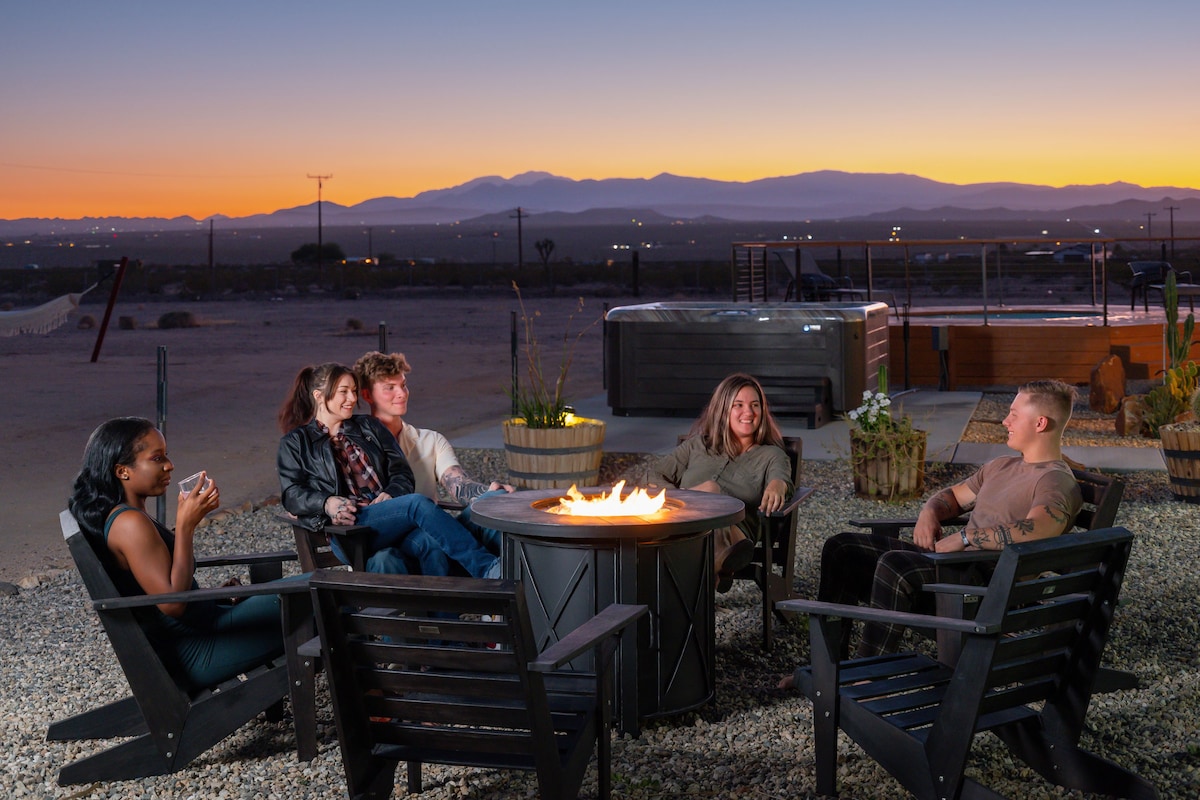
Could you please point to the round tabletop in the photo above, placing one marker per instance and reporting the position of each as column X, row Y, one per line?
column 685, row 511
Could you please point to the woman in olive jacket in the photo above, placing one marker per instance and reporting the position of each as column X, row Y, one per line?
column 342, row 469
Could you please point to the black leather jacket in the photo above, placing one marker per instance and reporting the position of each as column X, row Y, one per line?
column 308, row 474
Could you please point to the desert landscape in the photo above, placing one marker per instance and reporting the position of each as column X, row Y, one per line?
column 227, row 377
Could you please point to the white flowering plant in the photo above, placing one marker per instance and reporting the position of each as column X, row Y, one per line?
column 874, row 416
column 876, row 436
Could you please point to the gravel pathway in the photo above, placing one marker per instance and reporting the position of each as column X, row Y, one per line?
column 752, row 741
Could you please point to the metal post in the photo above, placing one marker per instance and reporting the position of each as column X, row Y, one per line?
column 983, row 270
column 112, row 300
column 513, row 347
column 160, row 502
column 870, row 273
column 383, row 348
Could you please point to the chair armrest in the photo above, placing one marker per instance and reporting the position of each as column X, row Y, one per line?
column 612, row 620
column 290, row 586
column 799, row 496
column 964, row 557
column 869, row 614
column 451, row 505
column 885, row 525
column 891, row 526
column 353, row 538
column 965, row 590
column 246, row 558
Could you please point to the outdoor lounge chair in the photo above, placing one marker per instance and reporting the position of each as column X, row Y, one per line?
column 171, row 725
column 1026, row 674
column 1101, row 499
column 463, row 687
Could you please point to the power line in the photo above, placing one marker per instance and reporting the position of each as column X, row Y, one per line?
column 520, row 239
column 1171, row 210
column 320, row 179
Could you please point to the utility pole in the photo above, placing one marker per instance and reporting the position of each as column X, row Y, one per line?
column 520, row 240
column 1171, row 210
column 320, row 179
column 1150, row 215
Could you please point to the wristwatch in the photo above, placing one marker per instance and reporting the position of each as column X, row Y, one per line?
column 966, row 541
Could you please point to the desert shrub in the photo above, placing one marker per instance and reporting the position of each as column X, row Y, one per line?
column 353, row 324
column 86, row 322
column 127, row 323
column 177, row 319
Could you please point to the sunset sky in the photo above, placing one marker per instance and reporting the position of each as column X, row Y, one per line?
column 169, row 108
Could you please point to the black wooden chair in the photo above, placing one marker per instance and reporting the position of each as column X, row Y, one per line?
column 171, row 725
column 467, row 687
column 1026, row 673
column 773, row 566
column 1101, row 499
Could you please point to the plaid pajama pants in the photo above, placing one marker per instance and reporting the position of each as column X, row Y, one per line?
column 881, row 571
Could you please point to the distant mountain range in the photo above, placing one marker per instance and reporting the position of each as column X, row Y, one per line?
column 825, row 195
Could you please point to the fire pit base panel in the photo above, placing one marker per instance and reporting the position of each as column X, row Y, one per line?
column 565, row 585
column 572, row 567
column 666, row 358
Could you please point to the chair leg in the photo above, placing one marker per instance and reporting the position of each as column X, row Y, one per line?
column 299, row 627
column 414, row 777
column 1067, row 765
column 825, row 637
column 136, row 758
column 120, row 718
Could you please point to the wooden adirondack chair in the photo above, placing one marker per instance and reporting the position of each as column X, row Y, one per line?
column 1101, row 499
column 464, row 687
column 773, row 566
column 1026, row 673
column 171, row 725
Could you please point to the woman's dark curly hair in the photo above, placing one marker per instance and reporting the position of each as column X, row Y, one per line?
column 97, row 489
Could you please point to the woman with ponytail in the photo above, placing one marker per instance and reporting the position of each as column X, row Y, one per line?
column 342, row 469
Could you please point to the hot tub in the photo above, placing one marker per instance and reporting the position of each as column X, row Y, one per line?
column 666, row 358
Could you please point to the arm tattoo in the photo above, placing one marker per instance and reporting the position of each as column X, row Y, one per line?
column 460, row 487
column 944, row 505
column 1002, row 535
column 1059, row 516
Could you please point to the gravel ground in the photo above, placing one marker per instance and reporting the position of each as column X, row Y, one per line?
column 1087, row 427
column 752, row 741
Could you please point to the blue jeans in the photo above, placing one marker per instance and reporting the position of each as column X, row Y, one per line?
column 214, row 641
column 393, row 521
column 491, row 539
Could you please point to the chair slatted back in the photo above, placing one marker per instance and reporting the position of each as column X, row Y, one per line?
column 1048, row 607
column 1101, row 498
column 137, row 657
column 425, row 671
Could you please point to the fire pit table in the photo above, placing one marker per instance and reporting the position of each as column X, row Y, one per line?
column 574, row 566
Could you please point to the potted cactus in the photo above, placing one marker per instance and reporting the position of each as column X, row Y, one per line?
column 1173, row 409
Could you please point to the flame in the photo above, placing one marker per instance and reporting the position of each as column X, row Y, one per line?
column 637, row 503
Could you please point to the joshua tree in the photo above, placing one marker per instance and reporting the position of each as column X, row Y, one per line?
column 545, row 248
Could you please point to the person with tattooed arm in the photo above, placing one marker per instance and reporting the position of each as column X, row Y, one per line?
column 383, row 385
column 1009, row 500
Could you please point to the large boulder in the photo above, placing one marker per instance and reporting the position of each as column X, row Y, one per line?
column 1108, row 385
column 1131, row 416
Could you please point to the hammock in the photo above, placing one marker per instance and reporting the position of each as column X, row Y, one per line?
column 43, row 318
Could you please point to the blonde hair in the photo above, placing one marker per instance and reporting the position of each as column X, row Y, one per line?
column 1053, row 398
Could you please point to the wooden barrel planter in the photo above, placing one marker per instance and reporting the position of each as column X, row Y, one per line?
column 554, row 458
column 893, row 471
column 1181, row 451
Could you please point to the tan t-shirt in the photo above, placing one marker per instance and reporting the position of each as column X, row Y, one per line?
column 1006, row 488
